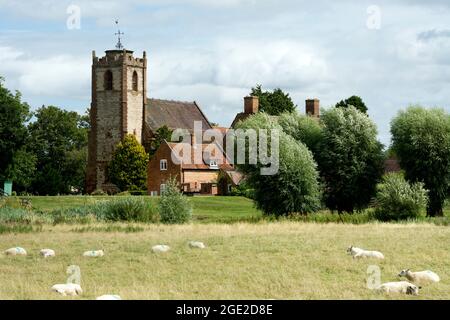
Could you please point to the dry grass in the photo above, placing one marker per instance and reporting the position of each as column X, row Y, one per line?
column 284, row 260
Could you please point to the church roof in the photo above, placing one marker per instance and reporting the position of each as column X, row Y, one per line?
column 174, row 114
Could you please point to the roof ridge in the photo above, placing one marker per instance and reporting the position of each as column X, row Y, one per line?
column 170, row 100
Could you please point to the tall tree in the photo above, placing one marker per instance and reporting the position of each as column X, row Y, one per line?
column 354, row 101
column 128, row 167
column 350, row 159
column 59, row 141
column 302, row 128
column 421, row 140
column 294, row 187
column 273, row 102
column 13, row 131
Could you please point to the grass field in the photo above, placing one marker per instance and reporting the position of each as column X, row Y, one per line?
column 283, row 260
column 206, row 209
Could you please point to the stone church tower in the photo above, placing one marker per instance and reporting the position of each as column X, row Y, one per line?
column 119, row 98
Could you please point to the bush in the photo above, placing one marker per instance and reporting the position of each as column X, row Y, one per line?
column 11, row 215
column 396, row 199
column 130, row 209
column 173, row 206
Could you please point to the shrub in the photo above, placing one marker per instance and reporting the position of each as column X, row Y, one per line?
column 173, row 206
column 130, row 209
column 396, row 199
column 124, row 209
column 18, row 215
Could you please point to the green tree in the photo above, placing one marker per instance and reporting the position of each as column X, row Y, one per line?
column 350, row 159
column 22, row 169
column 161, row 134
column 421, row 140
column 354, row 101
column 294, row 188
column 13, row 131
column 128, row 167
column 55, row 138
column 302, row 128
column 273, row 102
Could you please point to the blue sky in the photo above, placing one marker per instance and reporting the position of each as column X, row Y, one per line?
column 391, row 53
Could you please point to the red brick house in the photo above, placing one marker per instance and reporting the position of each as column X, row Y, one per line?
column 193, row 178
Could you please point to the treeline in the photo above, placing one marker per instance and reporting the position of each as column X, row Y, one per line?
column 43, row 152
column 337, row 162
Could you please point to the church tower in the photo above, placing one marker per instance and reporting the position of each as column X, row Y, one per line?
column 119, row 97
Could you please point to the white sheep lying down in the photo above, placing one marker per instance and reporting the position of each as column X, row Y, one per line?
column 47, row 253
column 68, row 289
column 109, row 297
column 160, row 248
column 361, row 253
column 197, row 244
column 420, row 277
column 17, row 251
column 399, row 287
column 94, row 253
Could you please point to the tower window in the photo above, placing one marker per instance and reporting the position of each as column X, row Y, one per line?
column 108, row 80
column 135, row 81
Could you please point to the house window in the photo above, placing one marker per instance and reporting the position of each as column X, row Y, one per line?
column 153, row 193
column 162, row 188
column 213, row 164
column 230, row 188
column 108, row 80
column 135, row 81
column 163, row 164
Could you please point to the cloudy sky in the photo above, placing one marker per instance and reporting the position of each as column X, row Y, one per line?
column 391, row 53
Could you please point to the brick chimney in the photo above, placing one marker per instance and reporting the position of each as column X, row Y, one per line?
column 312, row 108
column 251, row 104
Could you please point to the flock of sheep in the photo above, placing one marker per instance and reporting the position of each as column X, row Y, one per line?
column 418, row 279
column 73, row 289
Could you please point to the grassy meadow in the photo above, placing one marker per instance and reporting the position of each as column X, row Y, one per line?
column 206, row 209
column 284, row 260
column 246, row 257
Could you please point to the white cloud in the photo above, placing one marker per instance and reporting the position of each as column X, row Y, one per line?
column 59, row 75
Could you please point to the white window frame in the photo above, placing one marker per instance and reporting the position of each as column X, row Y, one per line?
column 163, row 165
column 162, row 188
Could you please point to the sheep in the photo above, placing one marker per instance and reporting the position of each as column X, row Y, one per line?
column 68, row 289
column 399, row 287
column 47, row 253
column 420, row 277
column 109, row 297
column 160, row 248
column 361, row 253
column 197, row 244
column 17, row 251
column 94, row 253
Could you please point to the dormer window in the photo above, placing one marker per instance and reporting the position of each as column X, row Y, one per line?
column 213, row 164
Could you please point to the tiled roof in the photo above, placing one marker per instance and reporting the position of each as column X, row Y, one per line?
column 174, row 114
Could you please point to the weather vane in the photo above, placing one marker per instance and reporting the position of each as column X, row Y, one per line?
column 118, row 34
